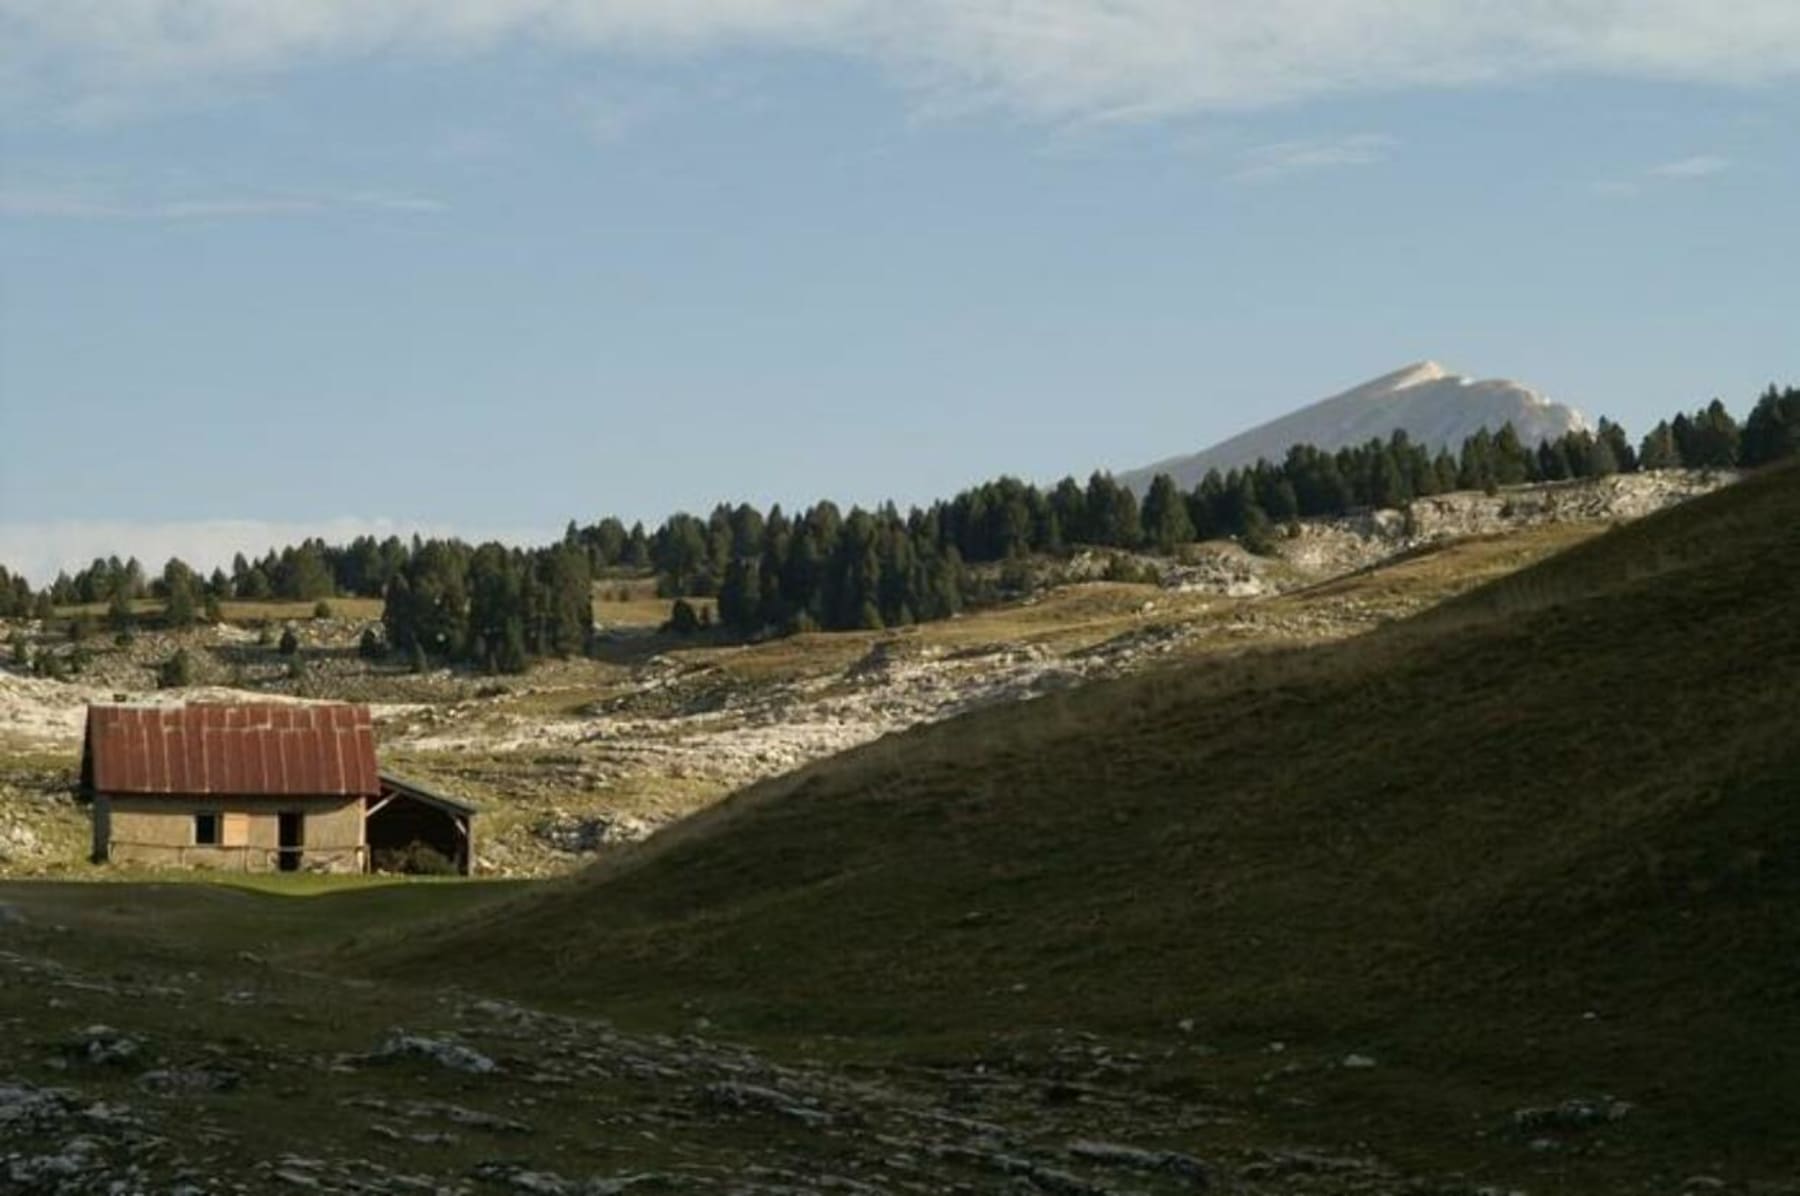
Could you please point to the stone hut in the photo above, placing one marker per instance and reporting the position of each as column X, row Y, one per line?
column 260, row 787
column 251, row 788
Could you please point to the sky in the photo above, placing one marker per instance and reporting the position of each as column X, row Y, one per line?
column 484, row 266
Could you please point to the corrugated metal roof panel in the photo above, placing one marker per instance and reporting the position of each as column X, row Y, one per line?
column 252, row 749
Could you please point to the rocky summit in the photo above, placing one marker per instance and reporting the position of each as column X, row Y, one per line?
column 1432, row 405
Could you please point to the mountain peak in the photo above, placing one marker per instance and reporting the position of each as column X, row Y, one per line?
column 1435, row 407
column 1416, row 374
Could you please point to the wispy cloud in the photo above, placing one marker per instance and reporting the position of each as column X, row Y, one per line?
column 1057, row 59
column 1697, row 167
column 229, row 209
column 70, row 202
column 59, row 202
column 1616, row 188
column 1267, row 163
column 611, row 116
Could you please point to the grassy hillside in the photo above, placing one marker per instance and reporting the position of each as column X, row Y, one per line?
column 1542, row 843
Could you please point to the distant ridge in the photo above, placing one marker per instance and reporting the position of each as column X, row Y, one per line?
column 1434, row 406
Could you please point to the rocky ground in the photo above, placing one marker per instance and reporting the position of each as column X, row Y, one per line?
column 189, row 1073
column 581, row 755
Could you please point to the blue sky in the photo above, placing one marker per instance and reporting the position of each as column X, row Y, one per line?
column 482, row 267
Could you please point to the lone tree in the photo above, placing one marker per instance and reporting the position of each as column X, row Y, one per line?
column 179, row 587
column 683, row 619
column 180, row 609
column 118, row 610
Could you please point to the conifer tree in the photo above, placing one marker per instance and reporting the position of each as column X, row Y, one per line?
column 1714, row 439
column 1165, row 516
column 1659, row 450
column 512, row 655
column 1613, row 436
column 1772, row 431
column 683, row 620
column 118, row 610
column 1512, row 465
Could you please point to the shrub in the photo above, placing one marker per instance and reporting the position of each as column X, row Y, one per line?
column 321, row 609
column 1131, row 570
column 370, row 646
column 1257, row 537
column 1018, row 576
column 290, row 643
column 176, row 671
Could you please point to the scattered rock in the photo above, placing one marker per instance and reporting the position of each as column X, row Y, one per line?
column 1167, row 1162
column 1576, row 1113
column 179, row 1082
column 731, row 1094
column 102, row 1046
column 441, row 1051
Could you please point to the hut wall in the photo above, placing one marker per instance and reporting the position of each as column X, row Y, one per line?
column 158, row 831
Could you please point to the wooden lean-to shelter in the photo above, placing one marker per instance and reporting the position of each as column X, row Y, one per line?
column 257, row 787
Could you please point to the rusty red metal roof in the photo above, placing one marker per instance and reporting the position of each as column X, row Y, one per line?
column 252, row 750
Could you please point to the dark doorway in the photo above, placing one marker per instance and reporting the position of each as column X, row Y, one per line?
column 291, row 839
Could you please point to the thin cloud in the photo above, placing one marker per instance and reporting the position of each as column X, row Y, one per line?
column 1266, row 163
column 77, row 203
column 411, row 204
column 55, row 202
column 229, row 209
column 609, row 117
column 1055, row 59
column 1697, row 167
column 1616, row 188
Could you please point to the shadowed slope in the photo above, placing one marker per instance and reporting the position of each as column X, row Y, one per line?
column 1559, row 849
